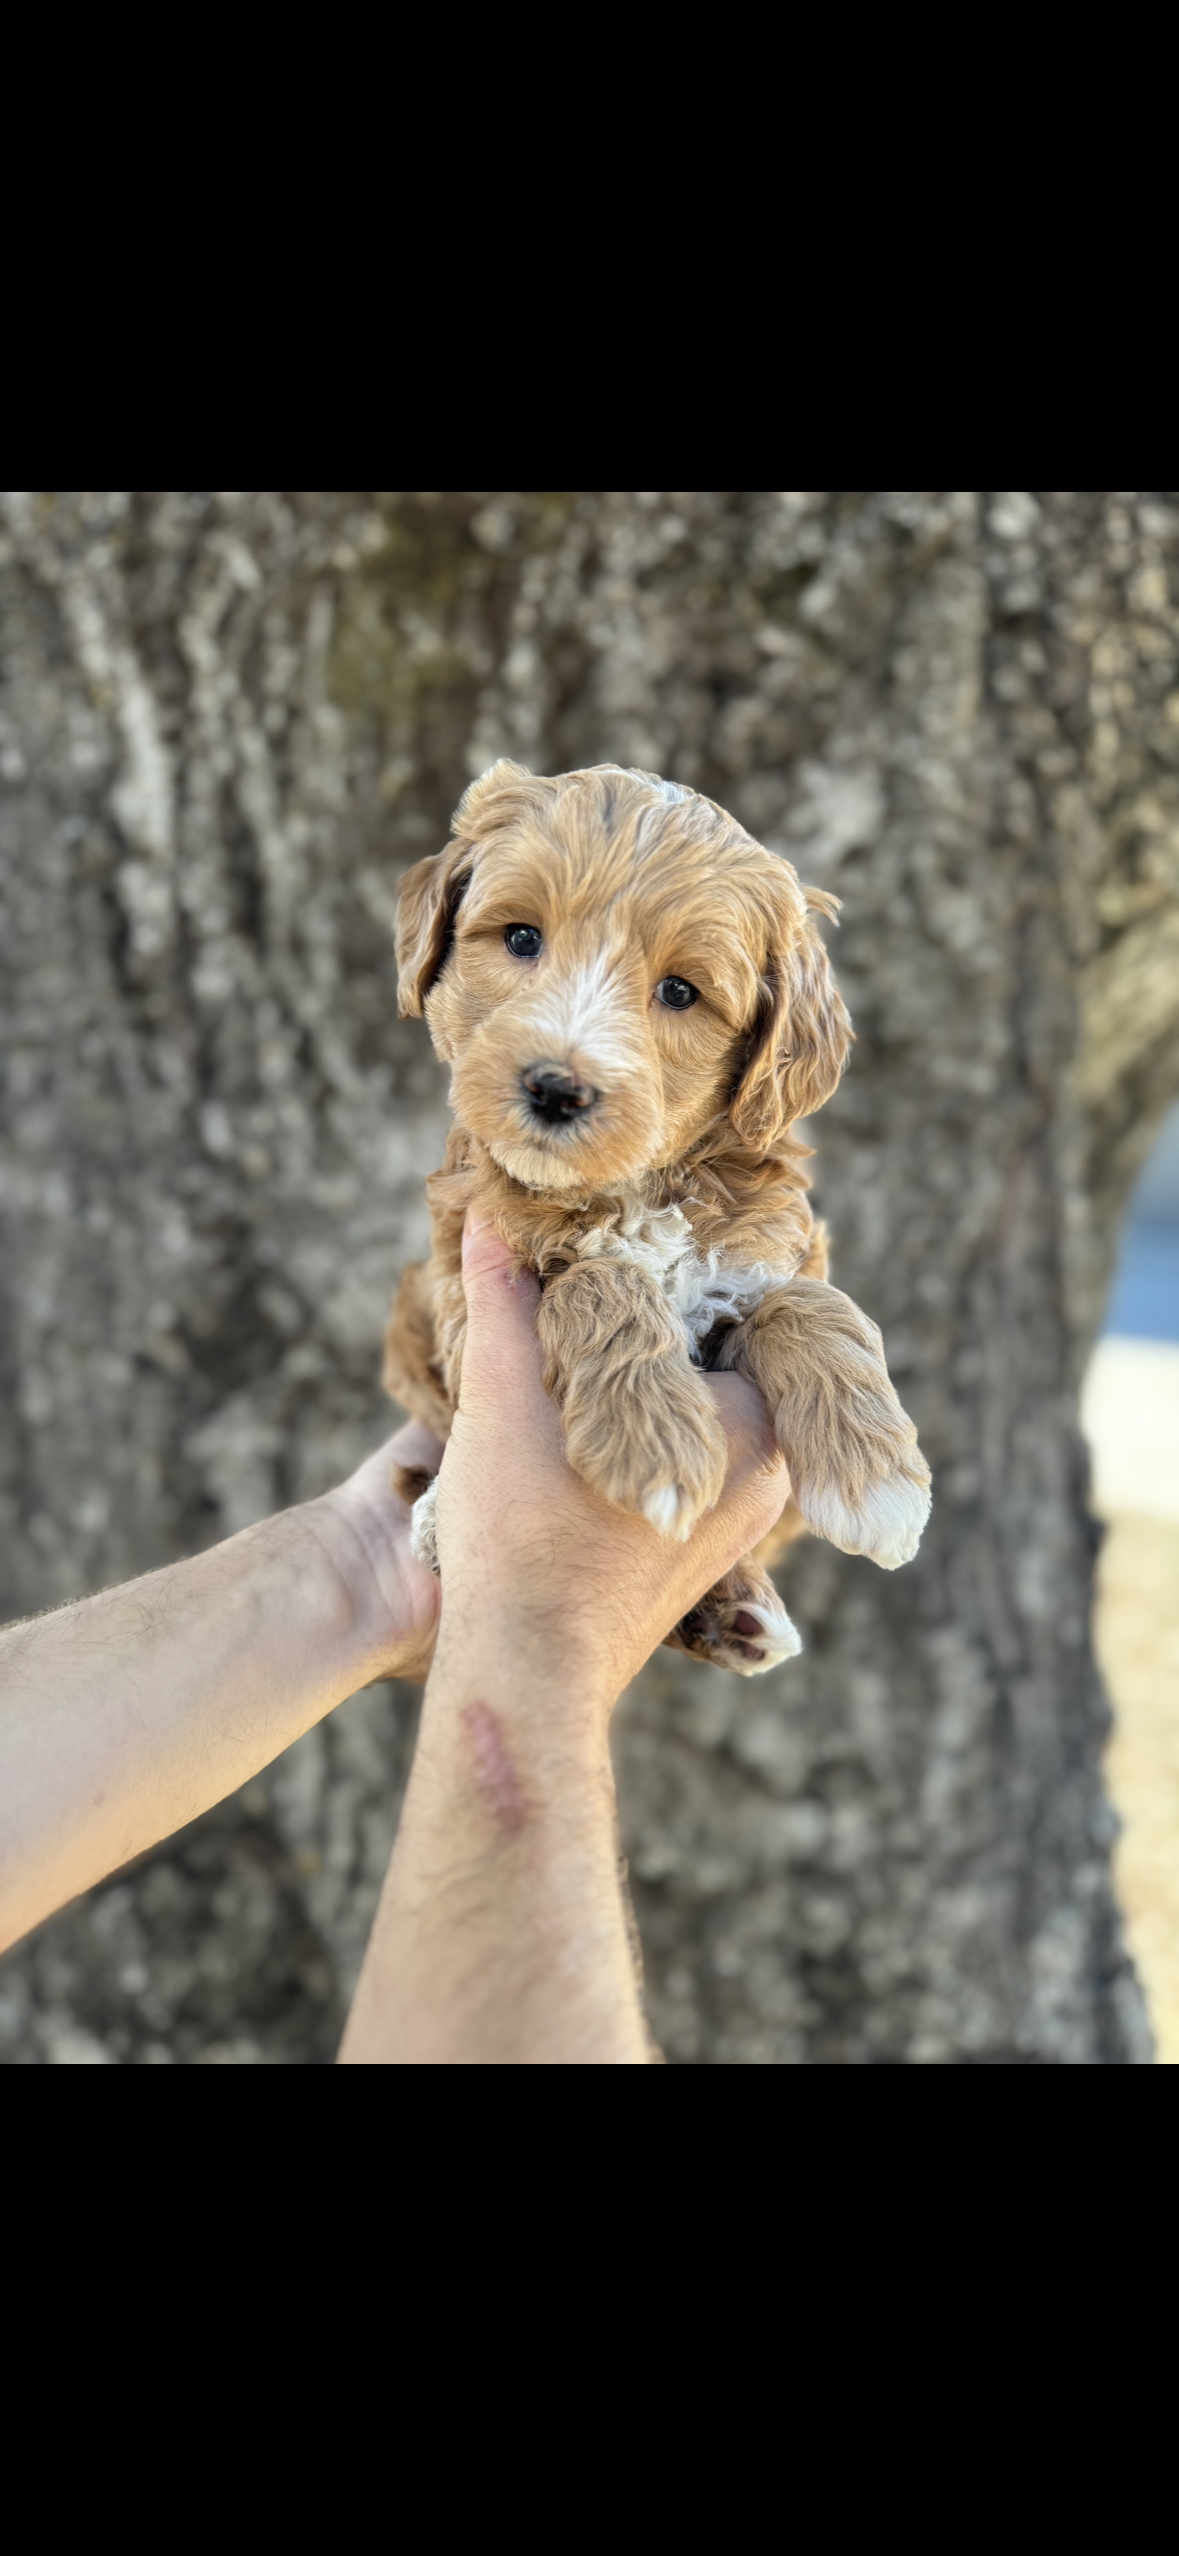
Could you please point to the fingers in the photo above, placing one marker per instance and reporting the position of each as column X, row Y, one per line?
column 373, row 1480
column 414, row 1445
column 502, row 1372
column 488, row 1262
column 746, row 1423
column 501, row 1356
column 757, row 1485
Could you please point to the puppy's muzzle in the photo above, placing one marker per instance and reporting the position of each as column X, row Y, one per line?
column 553, row 1094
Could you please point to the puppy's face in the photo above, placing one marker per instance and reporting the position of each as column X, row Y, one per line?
column 600, row 963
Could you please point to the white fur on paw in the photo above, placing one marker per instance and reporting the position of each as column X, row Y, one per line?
column 669, row 1512
column 776, row 1639
column 423, row 1537
column 887, row 1528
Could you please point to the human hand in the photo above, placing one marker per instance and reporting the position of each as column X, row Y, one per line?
column 536, row 1569
column 128, row 1714
column 365, row 1523
column 501, row 1934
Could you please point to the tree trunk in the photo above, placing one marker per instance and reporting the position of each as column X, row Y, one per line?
column 227, row 723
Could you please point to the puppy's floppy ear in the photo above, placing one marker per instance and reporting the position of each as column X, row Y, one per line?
column 431, row 894
column 799, row 1045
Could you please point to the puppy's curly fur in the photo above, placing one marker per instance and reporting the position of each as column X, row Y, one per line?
column 636, row 1006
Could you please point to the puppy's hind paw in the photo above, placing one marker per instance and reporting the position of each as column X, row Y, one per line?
column 739, row 1627
column 751, row 1638
column 423, row 1540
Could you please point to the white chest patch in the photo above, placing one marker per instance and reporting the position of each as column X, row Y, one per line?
column 703, row 1288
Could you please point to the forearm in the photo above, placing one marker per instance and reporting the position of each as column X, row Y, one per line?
column 127, row 1715
column 502, row 1936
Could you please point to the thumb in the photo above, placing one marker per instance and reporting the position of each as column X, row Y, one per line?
column 500, row 1352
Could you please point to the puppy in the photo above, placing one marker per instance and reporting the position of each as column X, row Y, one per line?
column 636, row 1006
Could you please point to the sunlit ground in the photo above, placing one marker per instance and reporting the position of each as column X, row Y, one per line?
column 1131, row 1411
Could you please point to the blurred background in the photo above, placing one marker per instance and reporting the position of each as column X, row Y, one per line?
column 228, row 722
column 1131, row 1416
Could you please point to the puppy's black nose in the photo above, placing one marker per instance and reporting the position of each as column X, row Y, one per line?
column 553, row 1093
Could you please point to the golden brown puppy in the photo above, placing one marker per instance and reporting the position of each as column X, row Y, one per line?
column 636, row 1006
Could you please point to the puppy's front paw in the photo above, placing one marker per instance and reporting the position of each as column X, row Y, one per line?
column 657, row 1449
column 741, row 1624
column 882, row 1519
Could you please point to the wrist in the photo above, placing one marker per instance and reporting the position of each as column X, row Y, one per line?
column 536, row 1673
column 330, row 1547
column 386, row 1604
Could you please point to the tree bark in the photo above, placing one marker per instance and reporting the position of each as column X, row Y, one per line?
column 227, row 723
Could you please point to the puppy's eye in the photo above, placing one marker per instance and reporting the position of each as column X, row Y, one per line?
column 676, row 993
column 523, row 940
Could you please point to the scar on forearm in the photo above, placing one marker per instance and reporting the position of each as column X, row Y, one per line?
column 492, row 1767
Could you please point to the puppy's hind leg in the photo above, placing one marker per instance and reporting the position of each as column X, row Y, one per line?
column 740, row 1623
column 423, row 1538
column 413, row 1372
column 415, row 1375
